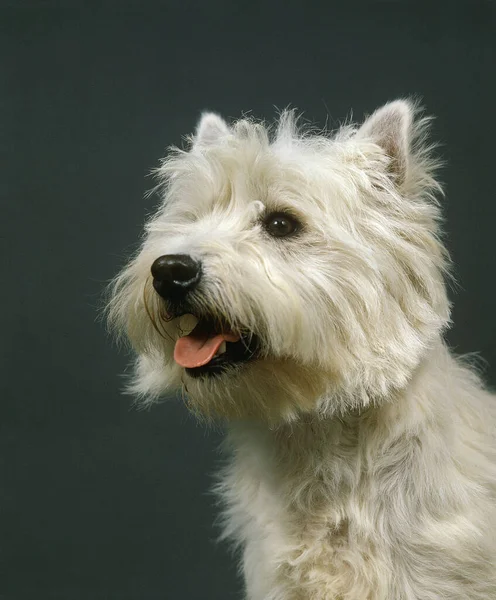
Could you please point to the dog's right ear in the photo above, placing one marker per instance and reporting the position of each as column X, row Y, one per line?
column 210, row 130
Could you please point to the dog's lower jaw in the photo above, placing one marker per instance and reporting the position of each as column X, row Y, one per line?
column 391, row 504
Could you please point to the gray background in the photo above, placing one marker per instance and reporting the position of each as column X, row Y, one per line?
column 98, row 500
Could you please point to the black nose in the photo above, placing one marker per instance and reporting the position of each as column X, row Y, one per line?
column 175, row 274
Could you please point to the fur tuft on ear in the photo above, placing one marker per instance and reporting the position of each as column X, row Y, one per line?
column 210, row 129
column 390, row 127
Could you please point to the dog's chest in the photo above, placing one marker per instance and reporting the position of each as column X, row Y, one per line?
column 293, row 513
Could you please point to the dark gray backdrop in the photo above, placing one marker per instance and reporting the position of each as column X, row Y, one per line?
column 98, row 500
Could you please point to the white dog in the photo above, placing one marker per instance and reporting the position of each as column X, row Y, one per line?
column 293, row 285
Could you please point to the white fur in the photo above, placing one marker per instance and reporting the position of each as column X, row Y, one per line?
column 363, row 454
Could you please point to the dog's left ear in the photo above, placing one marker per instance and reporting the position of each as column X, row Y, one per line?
column 390, row 127
column 210, row 129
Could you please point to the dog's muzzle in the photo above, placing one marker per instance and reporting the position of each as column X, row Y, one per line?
column 211, row 347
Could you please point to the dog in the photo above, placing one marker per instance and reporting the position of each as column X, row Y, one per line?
column 292, row 283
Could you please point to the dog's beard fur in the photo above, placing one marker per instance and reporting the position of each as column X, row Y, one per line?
column 363, row 400
column 343, row 311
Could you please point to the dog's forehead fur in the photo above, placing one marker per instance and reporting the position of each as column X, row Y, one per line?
column 272, row 167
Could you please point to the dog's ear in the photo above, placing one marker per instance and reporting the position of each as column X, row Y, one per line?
column 391, row 128
column 210, row 129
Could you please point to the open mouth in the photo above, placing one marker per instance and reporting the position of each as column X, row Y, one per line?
column 211, row 347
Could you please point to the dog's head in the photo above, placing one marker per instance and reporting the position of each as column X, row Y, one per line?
column 285, row 271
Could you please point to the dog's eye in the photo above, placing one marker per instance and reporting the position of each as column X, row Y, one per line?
column 281, row 225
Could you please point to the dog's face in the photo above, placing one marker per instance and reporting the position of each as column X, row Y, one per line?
column 287, row 273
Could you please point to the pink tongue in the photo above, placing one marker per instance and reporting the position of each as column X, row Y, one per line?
column 198, row 348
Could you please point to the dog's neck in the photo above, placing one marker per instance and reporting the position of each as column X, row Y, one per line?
column 318, row 454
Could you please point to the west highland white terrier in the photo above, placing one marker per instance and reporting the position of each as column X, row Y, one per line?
column 292, row 284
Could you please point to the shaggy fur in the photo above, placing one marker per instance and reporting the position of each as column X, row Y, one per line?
column 363, row 454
